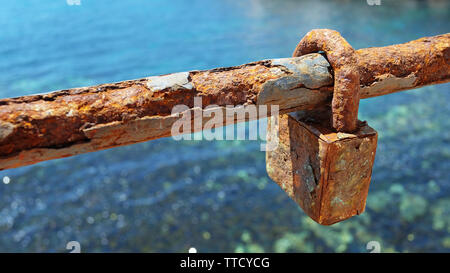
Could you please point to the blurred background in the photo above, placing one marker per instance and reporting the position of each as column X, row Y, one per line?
column 168, row 196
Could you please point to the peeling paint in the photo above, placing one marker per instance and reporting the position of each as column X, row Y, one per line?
column 311, row 71
column 386, row 82
column 172, row 81
column 6, row 129
column 306, row 73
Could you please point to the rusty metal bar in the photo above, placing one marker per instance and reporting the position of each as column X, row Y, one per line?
column 68, row 122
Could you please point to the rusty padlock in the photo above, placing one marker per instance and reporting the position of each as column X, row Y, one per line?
column 325, row 156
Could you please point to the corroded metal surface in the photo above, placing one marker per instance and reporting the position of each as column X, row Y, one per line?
column 377, row 70
column 417, row 63
column 344, row 62
column 80, row 120
column 326, row 173
column 68, row 122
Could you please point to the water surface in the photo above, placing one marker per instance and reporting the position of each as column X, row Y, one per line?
column 166, row 195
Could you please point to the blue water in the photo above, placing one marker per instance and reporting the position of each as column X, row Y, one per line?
column 167, row 196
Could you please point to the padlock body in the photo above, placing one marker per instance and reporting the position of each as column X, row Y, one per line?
column 326, row 173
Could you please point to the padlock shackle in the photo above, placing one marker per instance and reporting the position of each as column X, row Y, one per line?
column 344, row 62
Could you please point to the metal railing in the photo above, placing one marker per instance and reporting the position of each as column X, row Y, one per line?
column 80, row 120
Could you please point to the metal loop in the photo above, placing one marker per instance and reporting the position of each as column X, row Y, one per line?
column 344, row 62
